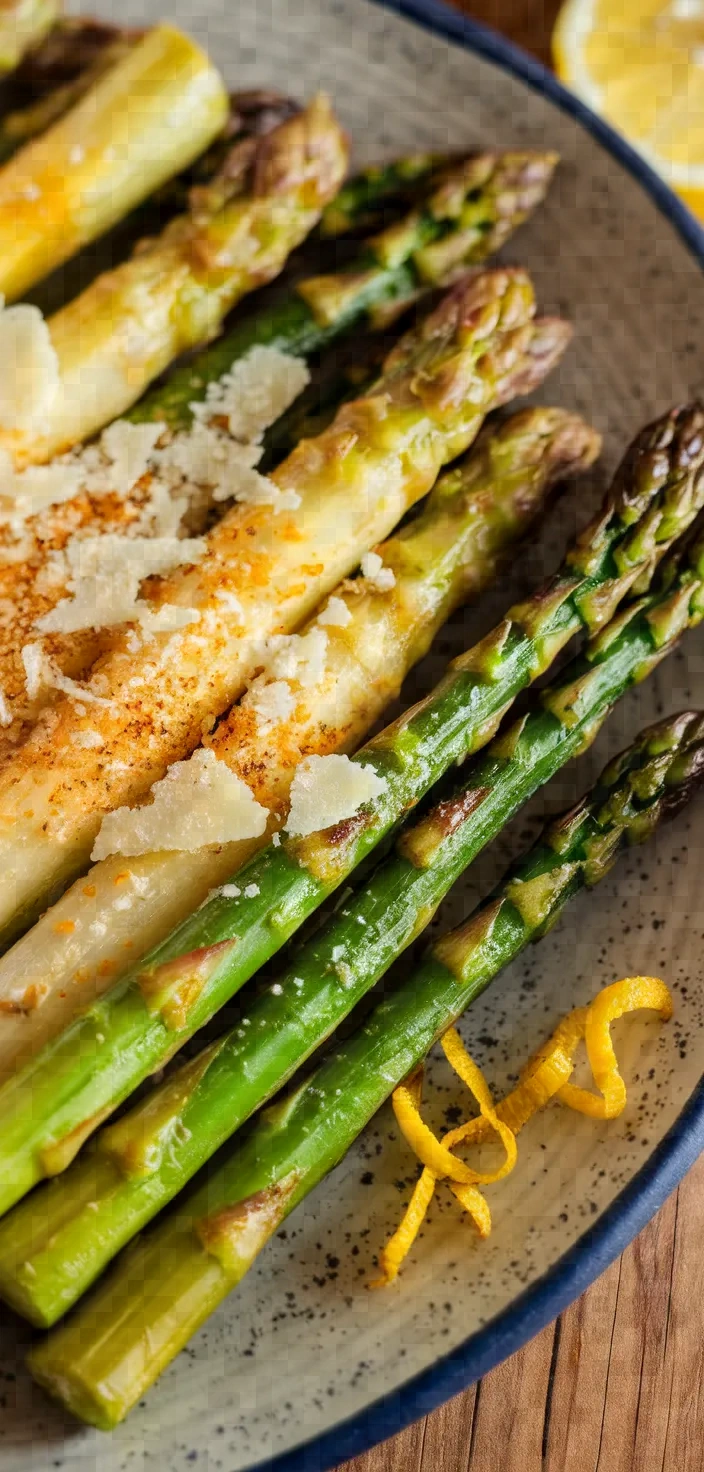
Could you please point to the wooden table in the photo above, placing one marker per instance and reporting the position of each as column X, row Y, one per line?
column 617, row 1383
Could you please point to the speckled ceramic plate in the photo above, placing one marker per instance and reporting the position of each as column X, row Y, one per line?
column 303, row 1367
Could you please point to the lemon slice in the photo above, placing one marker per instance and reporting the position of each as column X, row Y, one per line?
column 640, row 64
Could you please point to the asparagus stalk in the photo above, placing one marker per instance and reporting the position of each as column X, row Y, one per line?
column 140, row 1163
column 261, row 574
column 96, row 47
column 30, row 588
column 53, row 79
column 23, row 25
column 21, row 125
column 67, row 50
column 372, row 198
column 367, row 197
column 119, row 1340
column 174, row 292
column 145, row 119
column 449, row 553
column 52, row 1105
column 467, row 216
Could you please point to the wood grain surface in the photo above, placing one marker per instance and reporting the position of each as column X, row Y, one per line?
column 617, row 1383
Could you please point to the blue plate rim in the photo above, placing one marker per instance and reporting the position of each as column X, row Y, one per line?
column 634, row 1207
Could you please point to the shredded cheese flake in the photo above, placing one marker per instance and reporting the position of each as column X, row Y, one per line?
column 41, row 674
column 182, row 466
column 381, row 579
column 335, row 614
column 129, row 449
column 299, row 657
column 545, row 1077
column 105, row 574
column 199, row 802
column 29, row 368
column 295, row 660
column 255, row 392
column 26, row 493
column 327, row 790
column 271, row 703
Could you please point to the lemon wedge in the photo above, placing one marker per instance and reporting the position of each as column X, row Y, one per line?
column 640, row 65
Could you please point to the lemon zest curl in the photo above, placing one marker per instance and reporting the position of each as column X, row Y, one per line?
column 545, row 1077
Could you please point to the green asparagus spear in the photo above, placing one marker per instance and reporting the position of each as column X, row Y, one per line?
column 376, row 189
column 174, row 291
column 480, row 502
column 51, row 1106
column 119, row 1340
column 351, row 485
column 141, row 1162
column 448, row 553
column 467, row 217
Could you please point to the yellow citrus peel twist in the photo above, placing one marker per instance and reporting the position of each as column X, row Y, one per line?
column 545, row 1077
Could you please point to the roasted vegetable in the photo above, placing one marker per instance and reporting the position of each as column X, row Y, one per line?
column 23, row 25
column 174, row 292
column 452, row 550
column 264, row 572
column 121, row 1338
column 145, row 119
column 51, row 1106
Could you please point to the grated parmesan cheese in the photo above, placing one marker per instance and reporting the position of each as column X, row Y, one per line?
column 249, row 398
column 129, row 449
column 41, row 674
column 299, row 657
column 105, row 577
column 230, row 601
column 255, row 392
column 262, row 492
column 182, row 466
column 89, row 740
column 293, row 657
column 335, row 614
column 380, row 578
column 270, row 703
column 328, row 789
column 199, row 802
column 29, row 368
column 26, row 493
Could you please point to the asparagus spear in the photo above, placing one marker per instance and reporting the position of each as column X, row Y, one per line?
column 23, row 24
column 51, row 1106
column 68, row 64
column 144, row 120
column 174, row 291
column 30, row 587
column 140, row 1163
column 119, row 1340
column 261, row 574
column 453, row 549
column 67, row 50
column 377, row 189
column 21, row 125
column 468, row 215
